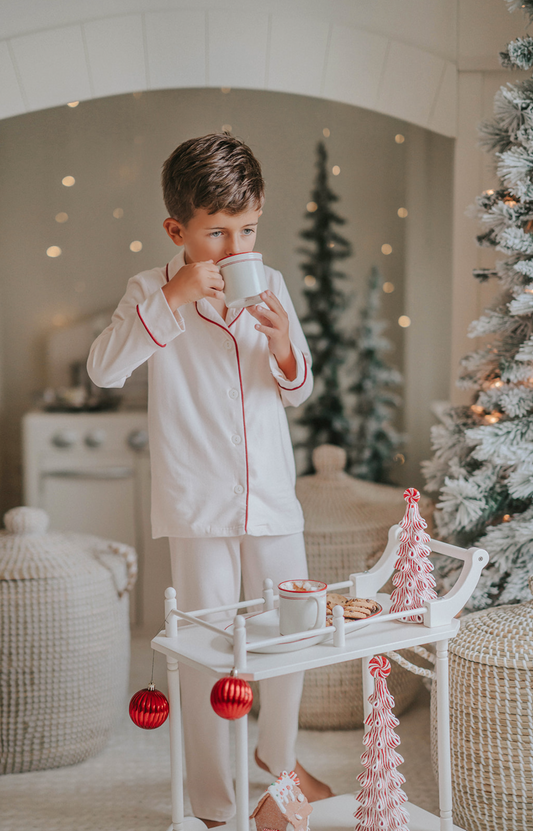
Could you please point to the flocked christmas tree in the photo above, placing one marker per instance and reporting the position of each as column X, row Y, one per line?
column 374, row 439
column 413, row 582
column 324, row 417
column 381, row 797
column 483, row 463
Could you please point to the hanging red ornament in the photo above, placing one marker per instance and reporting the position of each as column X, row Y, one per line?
column 149, row 708
column 231, row 698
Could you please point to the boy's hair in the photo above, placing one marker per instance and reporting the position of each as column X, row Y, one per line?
column 217, row 172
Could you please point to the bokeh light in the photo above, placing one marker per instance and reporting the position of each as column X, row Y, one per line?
column 136, row 246
column 388, row 288
column 335, row 170
column 404, row 321
column 399, row 139
column 326, row 132
column 118, row 213
column 68, row 181
column 403, row 212
column 61, row 217
column 53, row 251
column 311, row 207
column 386, row 248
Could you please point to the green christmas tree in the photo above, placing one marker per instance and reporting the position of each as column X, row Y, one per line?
column 374, row 439
column 483, row 463
column 324, row 417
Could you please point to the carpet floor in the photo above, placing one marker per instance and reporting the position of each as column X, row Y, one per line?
column 127, row 786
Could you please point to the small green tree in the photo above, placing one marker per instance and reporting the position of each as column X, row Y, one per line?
column 324, row 416
column 374, row 439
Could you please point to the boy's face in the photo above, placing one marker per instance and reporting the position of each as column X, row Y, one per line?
column 214, row 236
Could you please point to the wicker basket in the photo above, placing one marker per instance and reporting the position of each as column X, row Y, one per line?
column 347, row 522
column 491, row 719
column 64, row 642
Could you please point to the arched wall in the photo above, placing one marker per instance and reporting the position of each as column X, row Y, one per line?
column 277, row 47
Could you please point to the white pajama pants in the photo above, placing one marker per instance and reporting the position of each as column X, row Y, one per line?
column 207, row 572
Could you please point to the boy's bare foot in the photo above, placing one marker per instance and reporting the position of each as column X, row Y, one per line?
column 312, row 788
column 212, row 823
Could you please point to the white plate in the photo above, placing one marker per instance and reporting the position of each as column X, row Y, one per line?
column 263, row 625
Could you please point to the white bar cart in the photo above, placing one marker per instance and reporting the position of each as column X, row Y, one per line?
column 217, row 649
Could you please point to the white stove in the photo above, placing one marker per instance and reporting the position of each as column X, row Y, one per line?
column 91, row 473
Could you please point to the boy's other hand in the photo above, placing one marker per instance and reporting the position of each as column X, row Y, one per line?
column 274, row 324
column 192, row 282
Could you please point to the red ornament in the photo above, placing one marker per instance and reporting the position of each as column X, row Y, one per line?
column 231, row 698
column 149, row 708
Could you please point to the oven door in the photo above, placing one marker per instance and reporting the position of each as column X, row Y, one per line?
column 91, row 500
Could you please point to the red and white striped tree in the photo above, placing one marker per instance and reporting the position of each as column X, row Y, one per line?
column 413, row 581
column 381, row 797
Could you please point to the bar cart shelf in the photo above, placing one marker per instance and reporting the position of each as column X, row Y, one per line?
column 217, row 651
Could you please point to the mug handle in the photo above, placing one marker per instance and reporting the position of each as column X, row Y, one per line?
column 317, row 621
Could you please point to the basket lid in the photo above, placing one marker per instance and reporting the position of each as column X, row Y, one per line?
column 332, row 500
column 29, row 552
column 501, row 636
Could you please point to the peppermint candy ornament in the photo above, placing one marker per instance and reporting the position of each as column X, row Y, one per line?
column 413, row 581
column 381, row 797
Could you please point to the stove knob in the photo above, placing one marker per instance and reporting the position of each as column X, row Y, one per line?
column 138, row 440
column 65, row 438
column 95, row 438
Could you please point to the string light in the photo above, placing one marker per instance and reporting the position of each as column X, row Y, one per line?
column 68, row 181
column 404, row 321
column 136, row 246
column 506, row 518
column 53, row 251
column 399, row 457
column 311, row 207
column 388, row 288
column 399, row 139
column 386, row 248
column 326, row 132
column 225, row 90
column 118, row 213
column 477, row 409
column 309, row 280
column 61, row 217
column 331, row 245
column 496, row 384
column 73, row 104
column 335, row 170
column 488, row 193
column 492, row 418
column 403, row 212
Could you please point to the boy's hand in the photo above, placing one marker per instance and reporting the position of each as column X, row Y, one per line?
column 192, row 282
column 274, row 324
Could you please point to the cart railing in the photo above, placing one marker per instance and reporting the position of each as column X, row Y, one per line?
column 438, row 612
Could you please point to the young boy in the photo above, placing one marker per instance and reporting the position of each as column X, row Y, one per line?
column 222, row 462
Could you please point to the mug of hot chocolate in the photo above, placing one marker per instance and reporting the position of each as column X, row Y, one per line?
column 302, row 606
column 244, row 279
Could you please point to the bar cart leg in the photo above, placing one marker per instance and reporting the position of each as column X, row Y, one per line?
column 443, row 732
column 241, row 773
column 368, row 685
column 176, row 757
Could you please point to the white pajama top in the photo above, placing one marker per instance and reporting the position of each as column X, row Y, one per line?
column 221, row 453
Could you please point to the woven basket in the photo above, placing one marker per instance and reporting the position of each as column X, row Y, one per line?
column 347, row 523
column 491, row 719
column 64, row 642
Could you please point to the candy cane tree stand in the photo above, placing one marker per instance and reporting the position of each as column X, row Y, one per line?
column 218, row 650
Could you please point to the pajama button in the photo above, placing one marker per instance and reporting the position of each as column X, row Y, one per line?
column 236, row 439
column 238, row 489
column 227, row 344
column 233, row 394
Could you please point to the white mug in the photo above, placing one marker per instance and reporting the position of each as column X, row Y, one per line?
column 302, row 606
column 244, row 279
